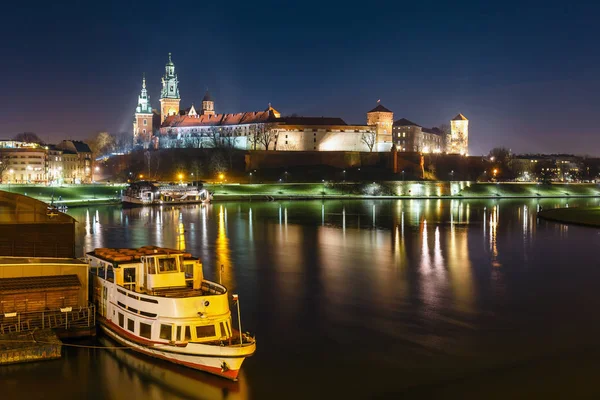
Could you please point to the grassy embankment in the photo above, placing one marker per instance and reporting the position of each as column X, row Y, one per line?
column 588, row 216
column 73, row 195
column 102, row 194
column 405, row 190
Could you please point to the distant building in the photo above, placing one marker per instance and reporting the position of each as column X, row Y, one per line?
column 77, row 161
column 143, row 119
column 458, row 143
column 411, row 137
column 22, row 162
column 55, row 164
column 382, row 120
column 169, row 95
column 268, row 130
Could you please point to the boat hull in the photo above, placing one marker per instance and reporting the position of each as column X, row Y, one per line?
column 223, row 366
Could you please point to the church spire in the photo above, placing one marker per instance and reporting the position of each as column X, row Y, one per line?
column 144, row 99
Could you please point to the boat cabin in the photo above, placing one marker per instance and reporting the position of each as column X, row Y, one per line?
column 149, row 270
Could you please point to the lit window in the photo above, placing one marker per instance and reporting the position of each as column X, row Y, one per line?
column 165, row 331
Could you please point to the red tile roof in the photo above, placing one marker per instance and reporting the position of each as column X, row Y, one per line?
column 176, row 121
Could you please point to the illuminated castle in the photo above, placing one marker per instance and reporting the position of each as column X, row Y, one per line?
column 262, row 130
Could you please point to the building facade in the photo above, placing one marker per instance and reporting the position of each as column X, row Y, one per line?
column 22, row 162
column 77, row 161
column 268, row 130
column 169, row 95
column 458, row 143
column 382, row 120
column 142, row 121
column 411, row 137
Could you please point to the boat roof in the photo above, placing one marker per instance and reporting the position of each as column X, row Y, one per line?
column 40, row 260
column 127, row 254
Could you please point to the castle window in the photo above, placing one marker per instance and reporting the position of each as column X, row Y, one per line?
column 145, row 122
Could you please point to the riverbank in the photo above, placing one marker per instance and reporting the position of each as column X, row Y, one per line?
column 97, row 194
column 70, row 195
column 399, row 190
column 587, row 216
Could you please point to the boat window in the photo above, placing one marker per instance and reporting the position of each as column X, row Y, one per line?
column 223, row 331
column 145, row 330
column 110, row 274
column 187, row 334
column 121, row 320
column 167, row 265
column 129, row 278
column 165, row 332
column 151, row 266
column 178, row 334
column 131, row 325
column 203, row 331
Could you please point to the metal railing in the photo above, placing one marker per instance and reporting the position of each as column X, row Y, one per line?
column 63, row 318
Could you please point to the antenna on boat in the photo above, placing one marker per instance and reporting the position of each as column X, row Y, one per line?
column 220, row 274
column 236, row 301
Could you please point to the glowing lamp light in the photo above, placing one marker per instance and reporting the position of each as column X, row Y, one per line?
column 221, row 176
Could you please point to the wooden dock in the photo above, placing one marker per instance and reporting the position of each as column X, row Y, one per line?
column 38, row 345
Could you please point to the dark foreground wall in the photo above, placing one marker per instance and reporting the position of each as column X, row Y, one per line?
column 27, row 229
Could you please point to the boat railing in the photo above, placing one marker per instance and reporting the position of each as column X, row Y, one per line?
column 62, row 318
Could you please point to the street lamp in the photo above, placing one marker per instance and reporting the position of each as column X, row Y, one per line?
column 180, row 176
column 403, row 175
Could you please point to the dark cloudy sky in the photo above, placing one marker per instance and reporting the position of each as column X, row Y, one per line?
column 525, row 74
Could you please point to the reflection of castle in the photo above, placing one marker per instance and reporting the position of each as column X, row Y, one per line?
column 267, row 129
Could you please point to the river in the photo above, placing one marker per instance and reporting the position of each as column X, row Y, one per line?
column 362, row 300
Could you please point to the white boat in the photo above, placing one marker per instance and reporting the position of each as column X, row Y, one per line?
column 148, row 193
column 157, row 302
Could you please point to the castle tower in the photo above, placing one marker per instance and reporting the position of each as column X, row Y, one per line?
column 169, row 95
column 142, row 121
column 458, row 142
column 382, row 120
column 208, row 104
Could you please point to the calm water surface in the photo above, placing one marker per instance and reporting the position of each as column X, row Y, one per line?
column 363, row 299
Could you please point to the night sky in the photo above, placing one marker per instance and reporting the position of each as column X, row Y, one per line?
column 526, row 76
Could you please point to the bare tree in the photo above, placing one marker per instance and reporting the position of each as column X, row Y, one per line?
column 218, row 164
column 445, row 132
column 4, row 164
column 215, row 139
column 369, row 138
column 265, row 135
column 102, row 143
column 28, row 137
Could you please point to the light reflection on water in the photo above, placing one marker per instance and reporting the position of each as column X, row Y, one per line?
column 384, row 296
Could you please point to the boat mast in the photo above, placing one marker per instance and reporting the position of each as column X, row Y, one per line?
column 235, row 298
